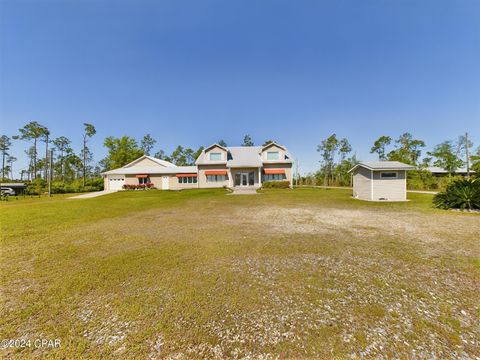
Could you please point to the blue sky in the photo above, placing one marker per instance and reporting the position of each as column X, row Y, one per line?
column 194, row 72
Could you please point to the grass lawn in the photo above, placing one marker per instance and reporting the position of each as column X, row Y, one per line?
column 307, row 273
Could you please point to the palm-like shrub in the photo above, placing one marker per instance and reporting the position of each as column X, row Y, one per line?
column 460, row 194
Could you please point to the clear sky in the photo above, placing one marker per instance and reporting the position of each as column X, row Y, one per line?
column 193, row 72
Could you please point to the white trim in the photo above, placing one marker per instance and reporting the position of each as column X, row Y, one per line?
column 406, row 168
column 272, row 144
column 213, row 145
column 163, row 163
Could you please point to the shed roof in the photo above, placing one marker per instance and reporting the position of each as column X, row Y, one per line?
column 383, row 165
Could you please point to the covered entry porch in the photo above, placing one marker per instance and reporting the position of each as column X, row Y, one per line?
column 246, row 177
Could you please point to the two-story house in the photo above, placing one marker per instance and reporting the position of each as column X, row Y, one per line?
column 217, row 166
column 243, row 166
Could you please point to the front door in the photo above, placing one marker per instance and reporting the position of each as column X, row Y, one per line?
column 165, row 182
column 244, row 178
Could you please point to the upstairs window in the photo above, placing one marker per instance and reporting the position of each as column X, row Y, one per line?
column 215, row 156
column 273, row 155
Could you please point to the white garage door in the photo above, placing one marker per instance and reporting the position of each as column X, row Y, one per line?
column 115, row 182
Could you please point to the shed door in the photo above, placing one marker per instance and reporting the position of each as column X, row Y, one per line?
column 115, row 182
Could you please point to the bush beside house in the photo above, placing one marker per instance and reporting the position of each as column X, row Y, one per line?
column 138, row 186
column 276, row 184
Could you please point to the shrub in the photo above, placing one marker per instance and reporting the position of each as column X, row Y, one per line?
column 276, row 184
column 422, row 180
column 76, row 186
column 36, row 187
column 59, row 187
column 459, row 194
column 40, row 186
column 138, row 186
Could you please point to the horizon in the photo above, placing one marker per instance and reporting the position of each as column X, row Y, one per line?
column 191, row 74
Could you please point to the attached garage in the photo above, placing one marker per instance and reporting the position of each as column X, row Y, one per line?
column 149, row 172
column 380, row 181
column 115, row 182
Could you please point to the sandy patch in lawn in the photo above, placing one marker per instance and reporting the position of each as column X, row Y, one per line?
column 103, row 324
column 417, row 227
column 389, row 313
column 367, row 303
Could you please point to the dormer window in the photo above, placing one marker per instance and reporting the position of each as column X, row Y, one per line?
column 273, row 155
column 215, row 156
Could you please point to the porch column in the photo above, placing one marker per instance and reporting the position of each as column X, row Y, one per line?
column 260, row 177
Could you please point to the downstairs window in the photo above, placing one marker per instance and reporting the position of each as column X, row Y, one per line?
column 274, row 177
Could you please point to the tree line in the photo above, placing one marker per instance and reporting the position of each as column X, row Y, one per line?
column 336, row 156
column 449, row 155
column 68, row 166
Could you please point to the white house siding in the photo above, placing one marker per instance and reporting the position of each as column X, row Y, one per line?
column 131, row 180
column 391, row 189
column 156, row 180
column 362, row 186
column 202, row 178
column 215, row 149
column 145, row 162
column 175, row 185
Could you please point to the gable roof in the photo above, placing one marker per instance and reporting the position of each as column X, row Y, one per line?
column 274, row 144
column 243, row 156
column 158, row 161
column 215, row 145
column 383, row 165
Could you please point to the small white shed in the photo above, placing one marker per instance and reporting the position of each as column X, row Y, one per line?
column 380, row 180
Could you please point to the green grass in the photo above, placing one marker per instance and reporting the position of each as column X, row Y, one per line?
column 291, row 273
